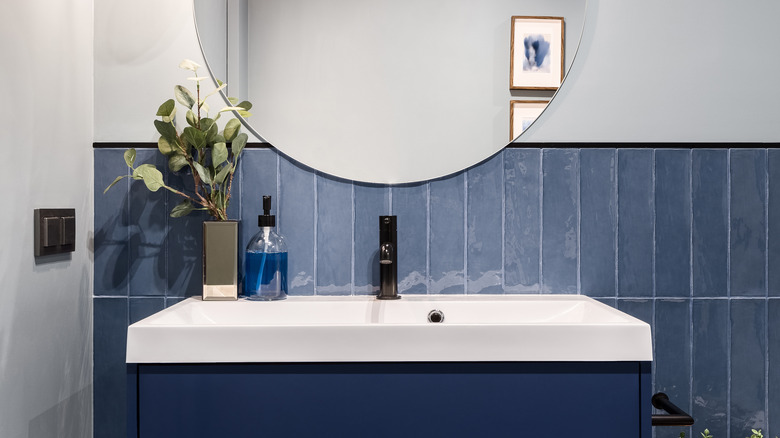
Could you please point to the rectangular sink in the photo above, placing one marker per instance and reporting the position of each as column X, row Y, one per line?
column 476, row 328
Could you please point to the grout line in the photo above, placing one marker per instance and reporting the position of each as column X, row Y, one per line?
column 541, row 220
column 653, row 193
column 578, row 179
column 316, row 224
column 466, row 233
column 766, row 288
column 352, row 239
column 617, row 222
column 428, row 238
column 503, row 221
column 690, row 280
column 728, row 291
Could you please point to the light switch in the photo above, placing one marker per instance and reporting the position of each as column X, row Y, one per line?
column 68, row 236
column 55, row 231
column 51, row 231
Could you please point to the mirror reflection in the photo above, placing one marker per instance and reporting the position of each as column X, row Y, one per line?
column 390, row 91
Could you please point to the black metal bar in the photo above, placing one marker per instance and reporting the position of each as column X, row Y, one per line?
column 675, row 417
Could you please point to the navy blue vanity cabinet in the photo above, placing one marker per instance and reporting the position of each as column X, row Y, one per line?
column 475, row 399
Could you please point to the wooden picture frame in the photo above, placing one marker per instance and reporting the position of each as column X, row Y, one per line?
column 522, row 113
column 537, row 61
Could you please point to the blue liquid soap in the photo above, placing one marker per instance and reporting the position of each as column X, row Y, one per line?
column 266, row 275
column 265, row 260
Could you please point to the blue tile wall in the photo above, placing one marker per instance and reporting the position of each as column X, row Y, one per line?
column 685, row 239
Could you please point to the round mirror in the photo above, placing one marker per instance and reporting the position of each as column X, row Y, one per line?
column 390, row 91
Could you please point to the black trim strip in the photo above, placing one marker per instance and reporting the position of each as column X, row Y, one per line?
column 556, row 145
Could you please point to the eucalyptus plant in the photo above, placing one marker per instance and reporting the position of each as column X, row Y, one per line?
column 210, row 156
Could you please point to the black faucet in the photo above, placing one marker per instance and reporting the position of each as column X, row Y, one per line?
column 388, row 259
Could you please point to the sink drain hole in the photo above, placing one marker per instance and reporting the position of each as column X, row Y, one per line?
column 435, row 316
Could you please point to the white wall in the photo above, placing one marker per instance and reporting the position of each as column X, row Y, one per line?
column 138, row 47
column 670, row 70
column 46, row 136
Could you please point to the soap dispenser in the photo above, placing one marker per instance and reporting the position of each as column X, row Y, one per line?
column 265, row 262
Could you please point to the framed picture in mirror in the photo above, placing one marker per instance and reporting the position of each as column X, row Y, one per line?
column 536, row 53
column 522, row 113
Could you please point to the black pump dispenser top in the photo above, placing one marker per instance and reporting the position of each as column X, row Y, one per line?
column 266, row 219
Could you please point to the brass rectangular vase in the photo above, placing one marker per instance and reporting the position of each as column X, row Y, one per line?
column 220, row 260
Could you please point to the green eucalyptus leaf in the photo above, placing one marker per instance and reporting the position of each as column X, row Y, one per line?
column 219, row 200
column 219, row 138
column 231, row 129
column 233, row 100
column 191, row 120
column 212, row 132
column 223, row 173
column 169, row 118
column 189, row 65
column 244, row 114
column 183, row 208
column 238, row 144
column 166, row 129
column 184, row 96
column 206, row 123
column 195, row 137
column 152, row 177
column 130, row 157
column 166, row 108
column 217, row 116
column 204, row 174
column 219, row 154
column 165, row 147
column 119, row 178
column 176, row 162
column 247, row 105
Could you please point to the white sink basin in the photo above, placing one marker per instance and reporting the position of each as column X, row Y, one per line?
column 478, row 328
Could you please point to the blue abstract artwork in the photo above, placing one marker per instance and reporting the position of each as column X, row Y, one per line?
column 537, row 53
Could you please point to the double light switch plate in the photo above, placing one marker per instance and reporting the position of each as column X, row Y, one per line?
column 55, row 230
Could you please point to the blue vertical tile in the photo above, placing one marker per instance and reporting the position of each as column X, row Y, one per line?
column 672, row 223
column 598, row 221
column 142, row 307
column 611, row 302
column 639, row 309
column 484, row 220
column 709, row 172
column 258, row 175
column 635, row 223
column 109, row 380
column 748, row 222
column 673, row 350
column 748, row 355
column 447, row 246
column 334, row 236
column 560, row 233
column 710, row 365
column 296, row 223
column 148, row 214
column 371, row 201
column 111, row 220
column 773, row 392
column 522, row 220
column 410, row 205
column 184, row 241
column 773, row 246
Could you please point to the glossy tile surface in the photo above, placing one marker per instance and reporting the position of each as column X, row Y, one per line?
column 710, row 193
column 522, row 220
column 494, row 229
column 598, row 221
column 672, row 223
column 748, row 222
column 635, row 223
column 560, row 220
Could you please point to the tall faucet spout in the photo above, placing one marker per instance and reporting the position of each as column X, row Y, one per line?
column 388, row 259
